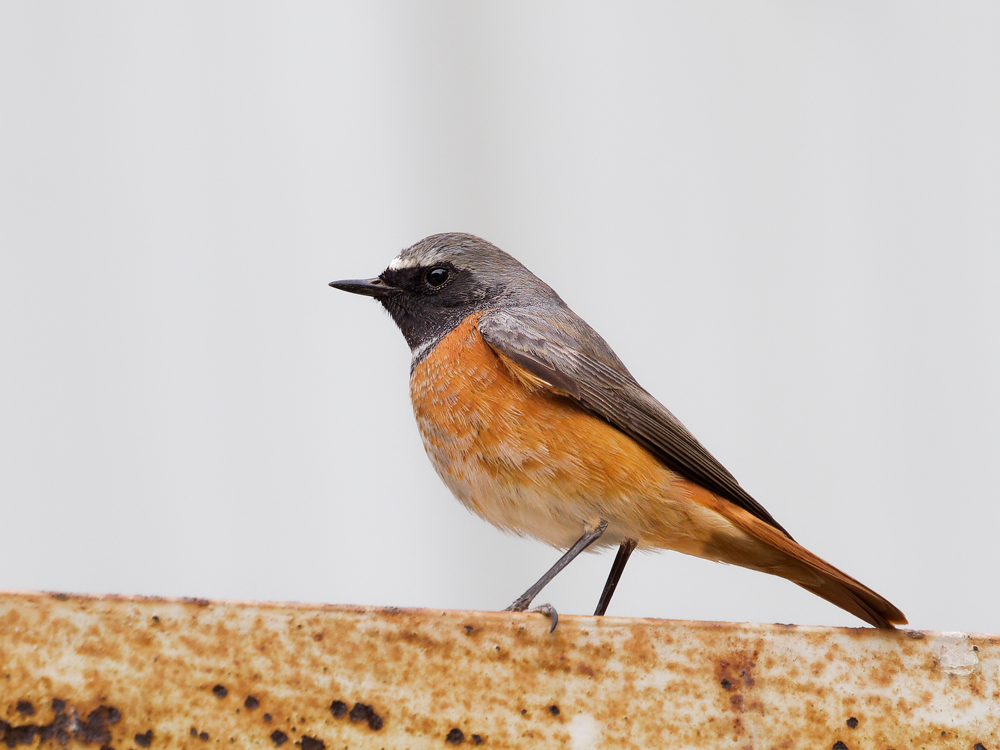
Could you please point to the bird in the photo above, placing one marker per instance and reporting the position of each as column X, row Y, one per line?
column 534, row 424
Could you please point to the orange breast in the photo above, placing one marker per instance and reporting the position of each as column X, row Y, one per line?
column 532, row 461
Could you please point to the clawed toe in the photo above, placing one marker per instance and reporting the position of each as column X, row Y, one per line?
column 549, row 611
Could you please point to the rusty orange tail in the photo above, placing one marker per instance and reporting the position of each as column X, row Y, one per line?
column 780, row 555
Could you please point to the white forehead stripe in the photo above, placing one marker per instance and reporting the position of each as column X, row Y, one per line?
column 400, row 262
column 425, row 259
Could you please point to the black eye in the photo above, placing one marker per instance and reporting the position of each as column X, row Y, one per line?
column 436, row 276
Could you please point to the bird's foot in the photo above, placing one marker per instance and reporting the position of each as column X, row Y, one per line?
column 521, row 605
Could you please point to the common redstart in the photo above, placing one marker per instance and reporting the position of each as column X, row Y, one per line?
column 535, row 425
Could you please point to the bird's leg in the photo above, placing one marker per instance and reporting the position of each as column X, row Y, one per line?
column 524, row 600
column 624, row 550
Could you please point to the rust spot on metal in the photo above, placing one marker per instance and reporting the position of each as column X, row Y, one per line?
column 145, row 739
column 360, row 712
column 364, row 712
column 65, row 725
column 251, row 702
column 17, row 735
column 220, row 691
column 455, row 736
column 97, row 727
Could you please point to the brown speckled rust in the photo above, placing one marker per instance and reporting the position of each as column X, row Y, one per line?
column 79, row 671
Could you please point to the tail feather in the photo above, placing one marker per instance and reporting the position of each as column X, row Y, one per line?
column 859, row 600
column 776, row 553
column 814, row 574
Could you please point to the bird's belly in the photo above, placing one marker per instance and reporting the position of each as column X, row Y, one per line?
column 533, row 462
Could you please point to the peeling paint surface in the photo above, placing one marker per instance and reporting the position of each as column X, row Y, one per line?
column 117, row 672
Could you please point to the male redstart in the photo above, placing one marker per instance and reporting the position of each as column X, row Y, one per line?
column 534, row 424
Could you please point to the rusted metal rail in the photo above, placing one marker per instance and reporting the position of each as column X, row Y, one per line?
column 116, row 672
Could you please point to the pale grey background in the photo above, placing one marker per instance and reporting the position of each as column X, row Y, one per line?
column 784, row 216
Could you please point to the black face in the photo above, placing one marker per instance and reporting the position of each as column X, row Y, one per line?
column 431, row 300
column 431, row 287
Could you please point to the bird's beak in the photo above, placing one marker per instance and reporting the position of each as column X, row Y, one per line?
column 368, row 287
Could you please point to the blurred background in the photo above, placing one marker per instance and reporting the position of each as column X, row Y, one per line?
column 785, row 218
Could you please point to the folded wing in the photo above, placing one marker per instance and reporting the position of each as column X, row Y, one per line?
column 550, row 348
